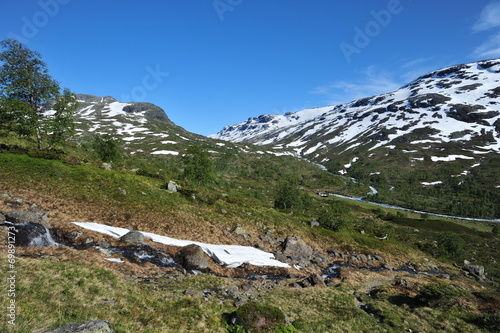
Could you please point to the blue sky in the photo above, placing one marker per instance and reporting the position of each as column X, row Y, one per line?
column 211, row 63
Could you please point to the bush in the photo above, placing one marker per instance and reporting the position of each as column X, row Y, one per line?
column 335, row 217
column 440, row 294
column 256, row 317
column 451, row 245
column 106, row 148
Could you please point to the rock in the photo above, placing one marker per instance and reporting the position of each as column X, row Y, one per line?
column 98, row 326
column 296, row 247
column 378, row 258
column 192, row 257
column 27, row 216
column 122, row 190
column 134, row 237
column 106, row 166
column 314, row 280
column 74, row 235
column 172, row 186
column 32, row 234
column 475, row 270
column 314, row 223
column 240, row 231
column 2, row 217
column 362, row 258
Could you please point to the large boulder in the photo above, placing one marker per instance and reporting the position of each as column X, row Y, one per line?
column 475, row 270
column 296, row 247
column 134, row 237
column 27, row 216
column 98, row 326
column 192, row 257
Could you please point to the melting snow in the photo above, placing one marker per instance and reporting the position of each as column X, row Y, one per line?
column 165, row 152
column 227, row 255
column 450, row 158
column 431, row 184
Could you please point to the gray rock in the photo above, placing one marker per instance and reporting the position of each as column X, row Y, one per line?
column 122, row 190
column 192, row 257
column 475, row 270
column 172, row 186
column 135, row 237
column 106, row 166
column 314, row 223
column 296, row 247
column 98, row 326
column 240, row 231
column 25, row 216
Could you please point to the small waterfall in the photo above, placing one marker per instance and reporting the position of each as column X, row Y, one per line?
column 31, row 234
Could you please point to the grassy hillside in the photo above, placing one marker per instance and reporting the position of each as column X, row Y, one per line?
column 60, row 285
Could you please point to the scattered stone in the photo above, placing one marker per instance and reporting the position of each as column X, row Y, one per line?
column 172, row 186
column 194, row 293
column 296, row 247
column 192, row 257
column 106, row 166
column 134, row 237
column 223, row 211
column 240, row 231
column 122, row 190
column 98, row 326
column 314, row 223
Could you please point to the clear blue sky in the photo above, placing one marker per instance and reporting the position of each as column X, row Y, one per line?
column 214, row 63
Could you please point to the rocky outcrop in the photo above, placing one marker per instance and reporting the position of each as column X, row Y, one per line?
column 476, row 271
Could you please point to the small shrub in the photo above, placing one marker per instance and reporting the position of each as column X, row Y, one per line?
column 440, row 294
column 256, row 317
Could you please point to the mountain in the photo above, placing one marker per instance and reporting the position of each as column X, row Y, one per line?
column 441, row 130
column 146, row 128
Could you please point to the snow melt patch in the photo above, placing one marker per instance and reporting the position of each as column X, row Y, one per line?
column 165, row 152
column 226, row 255
column 432, row 184
column 450, row 158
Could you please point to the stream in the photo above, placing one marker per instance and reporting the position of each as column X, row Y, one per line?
column 374, row 191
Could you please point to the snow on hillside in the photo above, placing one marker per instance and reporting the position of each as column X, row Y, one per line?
column 458, row 103
column 226, row 255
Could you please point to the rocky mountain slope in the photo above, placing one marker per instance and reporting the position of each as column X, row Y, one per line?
column 454, row 104
column 440, row 131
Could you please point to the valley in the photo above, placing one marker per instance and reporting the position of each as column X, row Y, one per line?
column 134, row 224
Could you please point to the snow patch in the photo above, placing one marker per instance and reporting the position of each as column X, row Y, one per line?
column 226, row 255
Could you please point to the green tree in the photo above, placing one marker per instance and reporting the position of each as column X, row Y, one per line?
column 198, row 167
column 287, row 195
column 451, row 244
column 26, row 89
column 106, row 147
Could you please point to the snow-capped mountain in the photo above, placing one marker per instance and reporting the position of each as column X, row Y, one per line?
column 455, row 104
column 141, row 127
